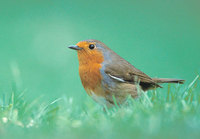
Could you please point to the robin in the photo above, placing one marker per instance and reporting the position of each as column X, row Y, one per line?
column 105, row 74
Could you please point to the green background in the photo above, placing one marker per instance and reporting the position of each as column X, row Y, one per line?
column 160, row 37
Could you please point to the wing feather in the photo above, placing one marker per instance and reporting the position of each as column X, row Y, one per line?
column 123, row 70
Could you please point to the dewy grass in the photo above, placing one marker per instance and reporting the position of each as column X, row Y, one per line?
column 156, row 114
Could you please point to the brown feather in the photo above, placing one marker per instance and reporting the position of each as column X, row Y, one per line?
column 168, row 80
column 123, row 69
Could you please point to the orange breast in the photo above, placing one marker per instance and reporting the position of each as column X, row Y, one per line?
column 90, row 76
column 89, row 70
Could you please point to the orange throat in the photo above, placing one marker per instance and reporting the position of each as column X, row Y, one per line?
column 89, row 70
column 90, row 76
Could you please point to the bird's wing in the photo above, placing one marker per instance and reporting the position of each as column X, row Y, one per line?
column 123, row 71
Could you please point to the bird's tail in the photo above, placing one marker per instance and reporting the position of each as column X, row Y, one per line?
column 168, row 80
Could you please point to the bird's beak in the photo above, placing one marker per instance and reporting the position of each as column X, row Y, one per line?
column 75, row 47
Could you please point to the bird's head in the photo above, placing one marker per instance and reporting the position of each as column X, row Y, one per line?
column 90, row 51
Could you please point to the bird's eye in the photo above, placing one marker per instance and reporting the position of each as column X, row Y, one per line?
column 91, row 46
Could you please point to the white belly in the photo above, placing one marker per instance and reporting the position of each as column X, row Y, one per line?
column 99, row 99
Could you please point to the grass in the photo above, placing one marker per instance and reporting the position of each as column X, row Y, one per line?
column 156, row 114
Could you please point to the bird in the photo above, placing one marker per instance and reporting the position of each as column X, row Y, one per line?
column 110, row 79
